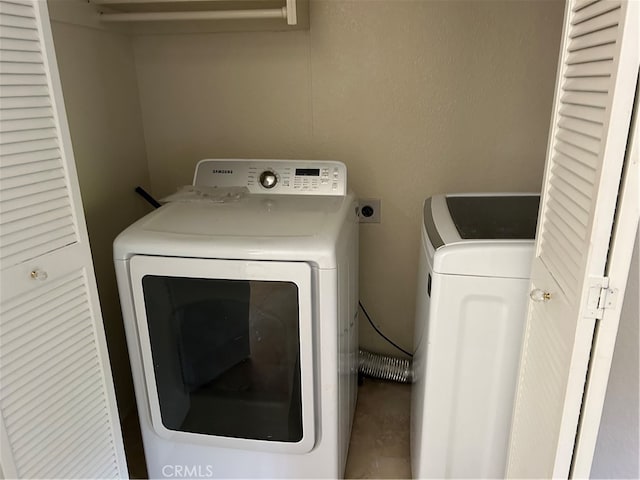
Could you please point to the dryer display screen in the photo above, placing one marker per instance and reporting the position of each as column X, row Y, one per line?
column 308, row 172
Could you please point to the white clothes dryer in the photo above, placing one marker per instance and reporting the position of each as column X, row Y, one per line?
column 240, row 309
column 473, row 275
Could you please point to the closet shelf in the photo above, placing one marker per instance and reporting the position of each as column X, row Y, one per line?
column 188, row 10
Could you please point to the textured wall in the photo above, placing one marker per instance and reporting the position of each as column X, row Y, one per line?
column 101, row 99
column 416, row 97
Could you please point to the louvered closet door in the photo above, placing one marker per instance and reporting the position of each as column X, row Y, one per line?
column 59, row 416
column 590, row 124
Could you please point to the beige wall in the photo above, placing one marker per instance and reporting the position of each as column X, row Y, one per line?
column 101, row 99
column 416, row 97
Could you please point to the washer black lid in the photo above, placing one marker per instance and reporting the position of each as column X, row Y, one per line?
column 499, row 217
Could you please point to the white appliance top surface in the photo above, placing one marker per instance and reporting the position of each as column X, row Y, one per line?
column 508, row 257
column 250, row 216
column 263, row 226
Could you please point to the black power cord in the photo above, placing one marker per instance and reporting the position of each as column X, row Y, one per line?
column 382, row 334
column 147, row 196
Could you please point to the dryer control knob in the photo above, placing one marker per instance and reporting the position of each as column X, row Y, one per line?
column 268, row 179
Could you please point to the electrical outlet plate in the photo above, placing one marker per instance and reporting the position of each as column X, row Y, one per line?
column 369, row 210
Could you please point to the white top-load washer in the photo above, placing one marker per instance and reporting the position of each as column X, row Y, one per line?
column 240, row 308
column 474, row 267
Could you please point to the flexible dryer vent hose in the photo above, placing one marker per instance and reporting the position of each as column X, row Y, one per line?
column 385, row 367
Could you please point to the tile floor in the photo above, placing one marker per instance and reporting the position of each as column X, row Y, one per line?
column 379, row 440
column 379, row 445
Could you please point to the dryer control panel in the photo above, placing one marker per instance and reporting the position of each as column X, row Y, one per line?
column 283, row 177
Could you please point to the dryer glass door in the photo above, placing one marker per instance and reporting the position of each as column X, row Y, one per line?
column 226, row 349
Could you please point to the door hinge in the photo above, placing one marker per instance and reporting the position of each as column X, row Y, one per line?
column 601, row 297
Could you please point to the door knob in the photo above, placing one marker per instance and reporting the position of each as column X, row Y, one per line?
column 38, row 274
column 538, row 295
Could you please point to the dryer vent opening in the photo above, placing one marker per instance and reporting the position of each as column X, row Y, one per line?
column 385, row 367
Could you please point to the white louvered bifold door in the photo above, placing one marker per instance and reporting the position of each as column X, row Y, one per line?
column 58, row 411
column 594, row 97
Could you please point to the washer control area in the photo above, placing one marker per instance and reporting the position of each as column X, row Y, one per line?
column 303, row 177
